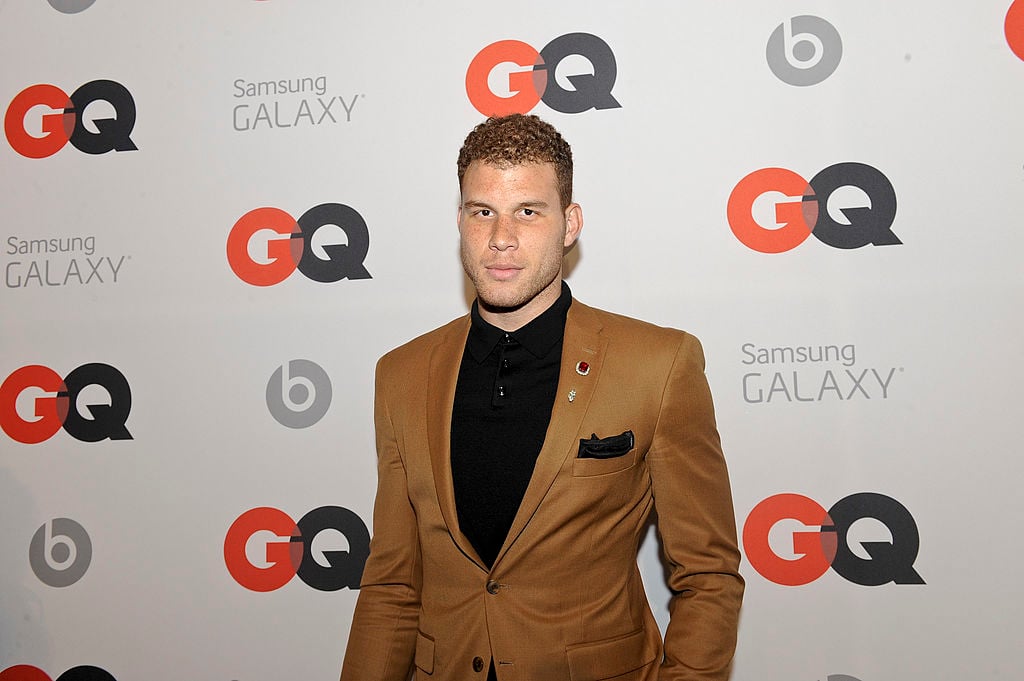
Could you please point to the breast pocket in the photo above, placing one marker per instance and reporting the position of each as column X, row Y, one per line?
column 584, row 468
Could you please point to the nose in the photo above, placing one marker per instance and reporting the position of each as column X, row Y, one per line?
column 503, row 234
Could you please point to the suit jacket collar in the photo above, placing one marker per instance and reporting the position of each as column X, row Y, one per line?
column 582, row 342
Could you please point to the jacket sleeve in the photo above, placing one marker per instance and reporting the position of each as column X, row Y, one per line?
column 382, row 639
column 697, row 525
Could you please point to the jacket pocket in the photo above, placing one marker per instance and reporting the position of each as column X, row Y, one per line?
column 424, row 653
column 611, row 657
column 596, row 447
column 587, row 467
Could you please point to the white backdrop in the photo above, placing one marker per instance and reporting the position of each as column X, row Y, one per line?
column 120, row 258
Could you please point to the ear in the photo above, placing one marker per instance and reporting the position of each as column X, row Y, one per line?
column 573, row 223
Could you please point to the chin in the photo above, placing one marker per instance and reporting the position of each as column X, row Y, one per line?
column 495, row 300
column 501, row 303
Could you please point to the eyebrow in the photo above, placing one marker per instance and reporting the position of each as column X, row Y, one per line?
column 524, row 204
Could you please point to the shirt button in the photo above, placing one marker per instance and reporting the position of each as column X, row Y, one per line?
column 478, row 664
column 492, row 587
column 505, row 364
column 501, row 391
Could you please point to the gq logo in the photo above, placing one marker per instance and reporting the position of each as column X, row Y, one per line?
column 66, row 122
column 804, row 50
column 299, row 394
column 71, row 6
column 60, row 407
column 292, row 245
column 26, row 672
column 1014, row 28
column 813, row 208
column 828, row 545
column 537, row 81
column 298, row 549
column 60, row 552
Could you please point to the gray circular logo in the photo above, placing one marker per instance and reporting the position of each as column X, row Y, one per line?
column 60, row 552
column 71, row 6
column 804, row 50
column 301, row 396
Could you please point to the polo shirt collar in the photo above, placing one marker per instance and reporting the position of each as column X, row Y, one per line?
column 539, row 336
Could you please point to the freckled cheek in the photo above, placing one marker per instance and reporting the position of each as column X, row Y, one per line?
column 474, row 247
column 469, row 238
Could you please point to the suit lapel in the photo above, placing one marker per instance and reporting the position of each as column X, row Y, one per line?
column 582, row 342
column 443, row 375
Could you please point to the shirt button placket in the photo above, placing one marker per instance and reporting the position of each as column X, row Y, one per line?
column 500, row 388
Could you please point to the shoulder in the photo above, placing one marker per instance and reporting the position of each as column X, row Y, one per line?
column 642, row 353
column 418, row 349
column 622, row 329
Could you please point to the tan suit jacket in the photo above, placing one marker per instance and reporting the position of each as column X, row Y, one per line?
column 564, row 599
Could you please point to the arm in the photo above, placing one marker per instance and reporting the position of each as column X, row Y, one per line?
column 383, row 634
column 697, row 525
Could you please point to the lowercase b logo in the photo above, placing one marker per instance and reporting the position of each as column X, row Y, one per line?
column 810, row 208
column 60, row 408
column 825, row 542
column 804, row 50
column 66, row 120
column 532, row 78
column 60, row 552
column 290, row 245
column 301, row 396
column 293, row 552
column 71, row 6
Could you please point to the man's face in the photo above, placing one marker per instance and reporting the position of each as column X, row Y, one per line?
column 512, row 232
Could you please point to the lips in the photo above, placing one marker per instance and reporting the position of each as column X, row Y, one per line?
column 502, row 272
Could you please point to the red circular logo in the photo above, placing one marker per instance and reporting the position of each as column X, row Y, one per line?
column 1014, row 28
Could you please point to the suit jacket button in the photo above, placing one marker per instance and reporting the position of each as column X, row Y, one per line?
column 492, row 587
column 478, row 664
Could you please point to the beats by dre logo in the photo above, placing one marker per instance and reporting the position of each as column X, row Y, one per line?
column 804, row 50
column 60, row 552
column 287, row 244
column 66, row 121
column 292, row 548
column 71, row 6
column 824, row 540
column 847, row 205
column 25, row 672
column 532, row 76
column 59, row 407
column 299, row 393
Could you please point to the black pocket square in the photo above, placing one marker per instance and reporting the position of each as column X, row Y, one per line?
column 606, row 447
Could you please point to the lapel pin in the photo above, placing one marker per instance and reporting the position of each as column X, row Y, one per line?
column 572, row 394
column 582, row 368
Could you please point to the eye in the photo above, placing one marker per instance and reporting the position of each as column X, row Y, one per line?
column 528, row 211
column 484, row 212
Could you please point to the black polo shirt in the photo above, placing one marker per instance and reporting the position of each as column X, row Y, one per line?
column 503, row 399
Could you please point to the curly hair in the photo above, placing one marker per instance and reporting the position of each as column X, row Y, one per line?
column 517, row 139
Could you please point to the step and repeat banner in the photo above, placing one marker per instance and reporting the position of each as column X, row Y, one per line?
column 215, row 216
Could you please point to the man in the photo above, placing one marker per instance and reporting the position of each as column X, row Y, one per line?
column 521, row 449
